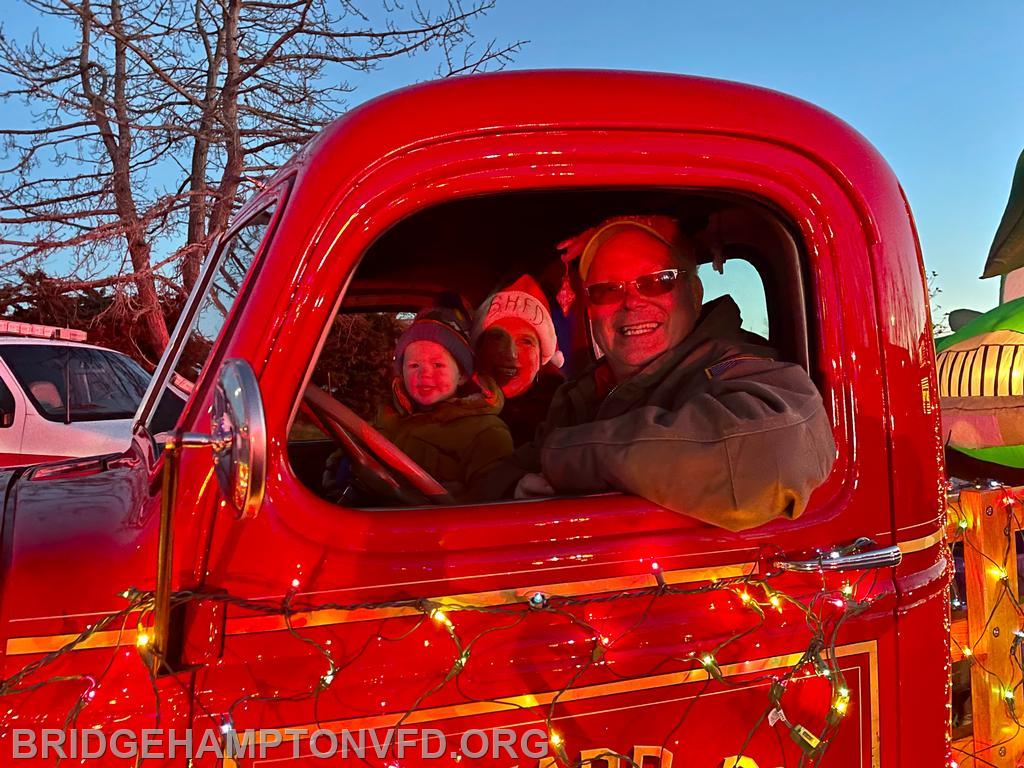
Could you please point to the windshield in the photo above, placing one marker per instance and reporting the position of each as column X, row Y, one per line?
column 203, row 319
column 67, row 383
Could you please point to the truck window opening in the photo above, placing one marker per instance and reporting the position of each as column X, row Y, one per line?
column 455, row 254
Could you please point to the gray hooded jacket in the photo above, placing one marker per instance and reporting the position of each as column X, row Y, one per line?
column 715, row 428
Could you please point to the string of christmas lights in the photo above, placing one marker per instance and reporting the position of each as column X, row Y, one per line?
column 824, row 613
column 1004, row 690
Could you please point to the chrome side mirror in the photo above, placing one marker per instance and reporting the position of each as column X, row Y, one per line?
column 238, row 437
column 238, row 429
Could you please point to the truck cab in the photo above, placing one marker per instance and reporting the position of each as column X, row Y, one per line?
column 238, row 596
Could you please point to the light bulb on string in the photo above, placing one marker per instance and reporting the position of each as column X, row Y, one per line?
column 658, row 575
column 538, row 600
column 842, row 701
column 441, row 618
column 999, row 572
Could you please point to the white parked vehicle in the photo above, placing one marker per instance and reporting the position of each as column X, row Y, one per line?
column 61, row 398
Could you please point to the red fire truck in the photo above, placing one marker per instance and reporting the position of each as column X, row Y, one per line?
column 203, row 580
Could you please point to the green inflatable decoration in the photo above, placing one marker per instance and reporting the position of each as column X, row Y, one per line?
column 981, row 384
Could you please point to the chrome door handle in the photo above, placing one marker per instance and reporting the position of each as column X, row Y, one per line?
column 845, row 559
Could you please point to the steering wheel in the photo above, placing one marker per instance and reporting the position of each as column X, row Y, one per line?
column 396, row 474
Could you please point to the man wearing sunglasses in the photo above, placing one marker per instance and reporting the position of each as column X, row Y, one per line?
column 682, row 409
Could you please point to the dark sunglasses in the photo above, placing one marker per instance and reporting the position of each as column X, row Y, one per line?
column 655, row 284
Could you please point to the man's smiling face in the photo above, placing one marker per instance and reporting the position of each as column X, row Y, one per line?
column 634, row 331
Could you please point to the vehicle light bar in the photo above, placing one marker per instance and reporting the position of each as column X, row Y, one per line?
column 11, row 328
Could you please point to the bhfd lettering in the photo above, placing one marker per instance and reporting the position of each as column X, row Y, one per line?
column 516, row 304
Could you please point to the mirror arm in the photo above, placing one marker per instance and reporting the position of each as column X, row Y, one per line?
column 199, row 440
column 172, row 443
column 190, row 440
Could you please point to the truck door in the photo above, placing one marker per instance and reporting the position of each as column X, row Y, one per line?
column 613, row 628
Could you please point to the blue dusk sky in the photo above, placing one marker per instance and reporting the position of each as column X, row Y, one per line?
column 936, row 86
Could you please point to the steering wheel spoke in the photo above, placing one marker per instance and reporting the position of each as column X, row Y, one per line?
column 391, row 471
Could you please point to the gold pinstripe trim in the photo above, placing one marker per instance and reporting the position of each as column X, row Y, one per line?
column 921, row 544
column 21, row 646
column 494, row 598
column 18, row 646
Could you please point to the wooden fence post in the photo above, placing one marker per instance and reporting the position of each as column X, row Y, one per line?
column 990, row 565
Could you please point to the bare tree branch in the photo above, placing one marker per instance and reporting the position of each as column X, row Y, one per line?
column 151, row 119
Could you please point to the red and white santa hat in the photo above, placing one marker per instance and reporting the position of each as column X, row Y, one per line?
column 523, row 300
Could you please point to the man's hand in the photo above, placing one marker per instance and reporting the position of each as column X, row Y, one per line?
column 533, row 486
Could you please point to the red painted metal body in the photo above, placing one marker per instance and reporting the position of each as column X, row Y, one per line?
column 71, row 544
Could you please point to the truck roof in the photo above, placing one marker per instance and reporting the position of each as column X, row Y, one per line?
column 512, row 101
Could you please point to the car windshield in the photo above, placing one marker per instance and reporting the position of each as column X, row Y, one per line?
column 77, row 383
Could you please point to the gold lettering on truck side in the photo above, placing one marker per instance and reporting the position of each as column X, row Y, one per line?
column 659, row 758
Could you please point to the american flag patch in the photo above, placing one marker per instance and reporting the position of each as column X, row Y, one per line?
column 719, row 368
